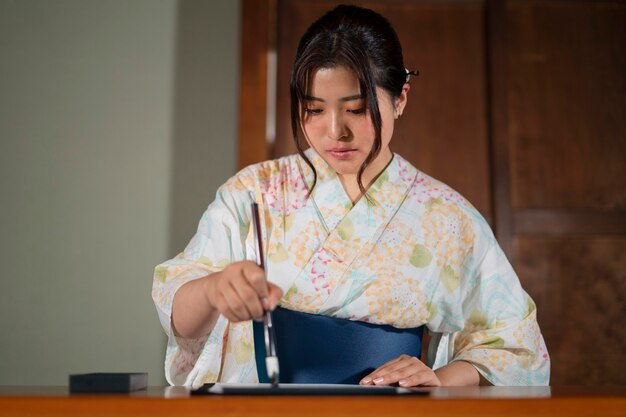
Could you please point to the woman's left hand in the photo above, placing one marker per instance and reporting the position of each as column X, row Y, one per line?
column 406, row 371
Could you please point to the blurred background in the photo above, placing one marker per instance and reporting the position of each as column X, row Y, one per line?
column 117, row 125
column 120, row 118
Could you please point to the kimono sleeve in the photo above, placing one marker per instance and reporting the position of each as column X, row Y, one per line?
column 218, row 241
column 501, row 337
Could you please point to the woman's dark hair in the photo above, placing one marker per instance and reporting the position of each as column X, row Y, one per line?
column 364, row 42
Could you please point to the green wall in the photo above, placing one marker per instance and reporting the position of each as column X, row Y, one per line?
column 117, row 125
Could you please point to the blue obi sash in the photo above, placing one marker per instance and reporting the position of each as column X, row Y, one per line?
column 318, row 349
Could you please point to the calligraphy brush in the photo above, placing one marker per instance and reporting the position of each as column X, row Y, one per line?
column 271, row 359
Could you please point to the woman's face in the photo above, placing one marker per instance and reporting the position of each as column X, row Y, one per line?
column 338, row 125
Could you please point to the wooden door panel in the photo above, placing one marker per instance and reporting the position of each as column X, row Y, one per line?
column 567, row 104
column 579, row 284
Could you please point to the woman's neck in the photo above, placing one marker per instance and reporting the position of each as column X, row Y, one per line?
column 351, row 184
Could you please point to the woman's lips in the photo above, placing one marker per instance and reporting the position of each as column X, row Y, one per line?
column 341, row 153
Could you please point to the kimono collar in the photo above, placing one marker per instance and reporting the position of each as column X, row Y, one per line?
column 384, row 194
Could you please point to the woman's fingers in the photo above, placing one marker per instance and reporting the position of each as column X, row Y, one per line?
column 252, row 289
column 233, row 307
column 424, row 378
column 275, row 294
column 409, row 374
column 241, row 292
column 255, row 277
column 405, row 371
column 383, row 370
column 268, row 293
column 249, row 301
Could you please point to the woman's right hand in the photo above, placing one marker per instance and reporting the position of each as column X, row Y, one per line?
column 241, row 291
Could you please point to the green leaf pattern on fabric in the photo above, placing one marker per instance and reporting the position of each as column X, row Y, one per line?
column 421, row 256
column 160, row 273
column 449, row 278
column 279, row 254
column 432, row 310
column 293, row 290
column 346, row 229
column 219, row 264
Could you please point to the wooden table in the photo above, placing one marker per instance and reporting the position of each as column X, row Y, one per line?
column 175, row 401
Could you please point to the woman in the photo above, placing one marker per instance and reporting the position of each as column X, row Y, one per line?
column 352, row 231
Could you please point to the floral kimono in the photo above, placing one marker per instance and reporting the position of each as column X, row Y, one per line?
column 414, row 252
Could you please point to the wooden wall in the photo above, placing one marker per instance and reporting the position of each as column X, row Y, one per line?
column 565, row 63
column 521, row 106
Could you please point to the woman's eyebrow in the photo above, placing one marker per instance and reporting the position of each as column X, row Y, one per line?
column 348, row 98
column 352, row 98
